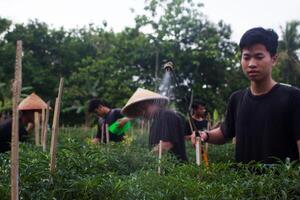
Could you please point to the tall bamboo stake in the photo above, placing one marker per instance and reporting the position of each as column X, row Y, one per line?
column 37, row 128
column 198, row 151
column 43, row 125
column 107, row 133
column 17, row 85
column 55, row 126
column 45, row 130
column 159, row 157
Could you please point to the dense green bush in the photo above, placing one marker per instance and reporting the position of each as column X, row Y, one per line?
column 129, row 171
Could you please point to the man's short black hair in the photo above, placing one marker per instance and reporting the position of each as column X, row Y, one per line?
column 95, row 103
column 197, row 103
column 259, row 35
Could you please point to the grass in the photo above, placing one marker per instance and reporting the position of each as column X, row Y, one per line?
column 129, row 171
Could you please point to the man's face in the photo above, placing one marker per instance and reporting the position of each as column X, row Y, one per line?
column 200, row 110
column 257, row 63
column 100, row 111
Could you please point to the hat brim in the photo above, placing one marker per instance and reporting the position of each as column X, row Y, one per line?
column 138, row 108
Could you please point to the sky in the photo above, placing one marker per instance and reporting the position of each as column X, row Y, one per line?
column 240, row 14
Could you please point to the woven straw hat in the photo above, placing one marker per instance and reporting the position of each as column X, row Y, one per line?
column 32, row 102
column 134, row 106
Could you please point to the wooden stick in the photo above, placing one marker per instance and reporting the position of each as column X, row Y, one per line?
column 198, row 151
column 37, row 128
column 102, row 132
column 107, row 133
column 55, row 126
column 45, row 131
column 43, row 125
column 17, row 85
column 159, row 157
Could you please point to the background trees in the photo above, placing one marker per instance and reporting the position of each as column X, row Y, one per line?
column 97, row 62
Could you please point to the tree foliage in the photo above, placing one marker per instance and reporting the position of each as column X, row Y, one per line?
column 97, row 62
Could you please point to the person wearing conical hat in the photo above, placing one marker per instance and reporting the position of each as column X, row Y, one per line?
column 26, row 108
column 167, row 126
column 106, row 117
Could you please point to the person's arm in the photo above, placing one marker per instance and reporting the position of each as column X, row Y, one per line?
column 29, row 126
column 97, row 137
column 214, row 136
column 298, row 144
column 122, row 122
column 166, row 146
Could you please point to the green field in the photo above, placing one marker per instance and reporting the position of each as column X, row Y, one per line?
column 129, row 171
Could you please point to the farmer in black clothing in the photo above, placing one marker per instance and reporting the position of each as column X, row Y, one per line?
column 198, row 117
column 264, row 118
column 167, row 126
column 106, row 117
column 25, row 124
column 27, row 107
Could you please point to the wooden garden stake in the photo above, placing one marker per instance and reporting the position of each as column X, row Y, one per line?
column 17, row 85
column 45, row 130
column 37, row 128
column 55, row 126
column 43, row 125
column 159, row 156
column 102, row 133
column 198, row 151
column 107, row 134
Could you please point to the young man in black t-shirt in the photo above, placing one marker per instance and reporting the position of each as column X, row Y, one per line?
column 107, row 117
column 264, row 118
column 198, row 117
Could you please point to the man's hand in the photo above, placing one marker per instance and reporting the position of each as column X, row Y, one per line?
column 166, row 146
column 95, row 140
column 122, row 122
column 29, row 126
column 203, row 137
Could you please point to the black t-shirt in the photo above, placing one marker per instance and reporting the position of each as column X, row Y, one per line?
column 5, row 134
column 109, row 119
column 265, row 126
column 200, row 125
column 168, row 127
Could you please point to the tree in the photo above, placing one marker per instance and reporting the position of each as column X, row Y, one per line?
column 288, row 60
column 201, row 50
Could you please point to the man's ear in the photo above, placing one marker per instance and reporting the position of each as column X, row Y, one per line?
column 274, row 59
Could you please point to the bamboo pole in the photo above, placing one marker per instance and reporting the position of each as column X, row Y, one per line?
column 43, row 125
column 37, row 128
column 107, row 133
column 198, row 151
column 17, row 85
column 102, row 132
column 45, row 130
column 159, row 157
column 55, row 126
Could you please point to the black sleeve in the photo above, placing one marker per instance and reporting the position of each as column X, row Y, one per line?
column 187, row 128
column 23, row 134
column 170, row 127
column 295, row 98
column 228, row 126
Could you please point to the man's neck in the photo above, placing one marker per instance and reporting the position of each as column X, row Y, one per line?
column 260, row 88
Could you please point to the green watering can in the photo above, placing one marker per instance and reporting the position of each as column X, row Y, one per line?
column 119, row 131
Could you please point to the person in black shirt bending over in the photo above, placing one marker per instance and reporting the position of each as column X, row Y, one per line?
column 264, row 118
column 25, row 124
column 167, row 126
column 198, row 117
column 107, row 117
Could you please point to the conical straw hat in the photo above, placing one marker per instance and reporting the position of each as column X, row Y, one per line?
column 32, row 102
column 133, row 107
